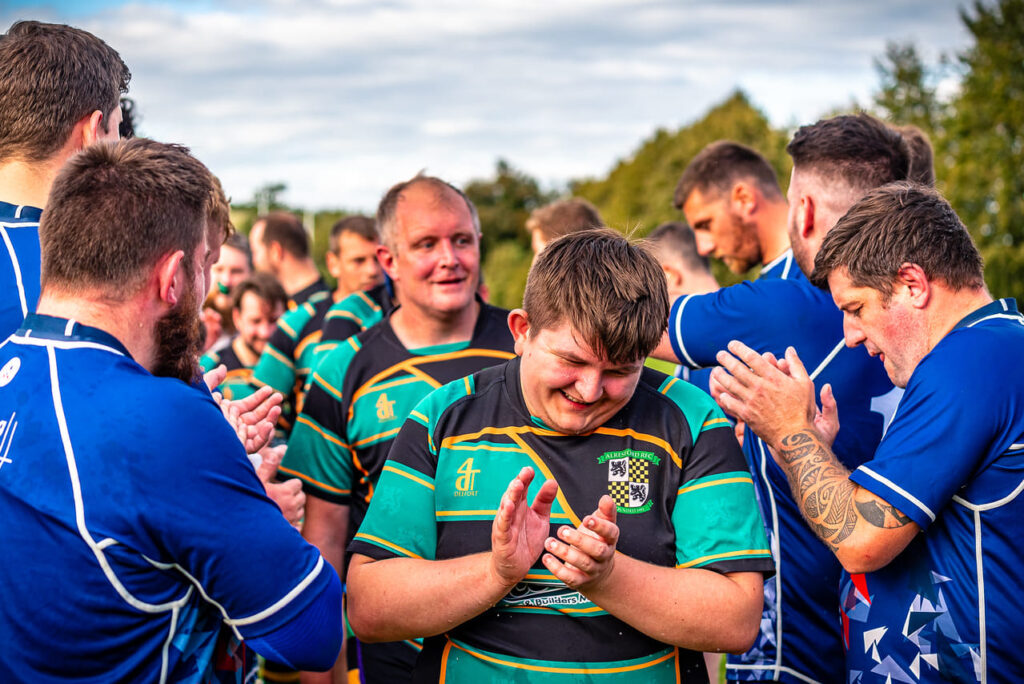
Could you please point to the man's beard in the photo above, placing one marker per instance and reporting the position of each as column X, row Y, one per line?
column 178, row 340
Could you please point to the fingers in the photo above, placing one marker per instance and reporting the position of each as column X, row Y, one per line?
column 271, row 460
column 796, row 366
column 214, row 377
column 514, row 495
column 289, row 497
column 544, row 498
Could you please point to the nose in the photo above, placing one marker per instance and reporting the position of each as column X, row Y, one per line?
column 705, row 245
column 852, row 332
column 589, row 386
column 446, row 252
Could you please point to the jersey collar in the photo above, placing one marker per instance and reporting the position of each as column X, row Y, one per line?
column 41, row 326
column 21, row 212
column 1006, row 307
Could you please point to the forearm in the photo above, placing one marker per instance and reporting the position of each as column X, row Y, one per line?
column 326, row 527
column 692, row 608
column 664, row 350
column 405, row 598
column 863, row 530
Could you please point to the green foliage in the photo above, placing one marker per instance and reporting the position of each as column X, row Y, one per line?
column 637, row 195
column 504, row 203
column 505, row 269
column 907, row 94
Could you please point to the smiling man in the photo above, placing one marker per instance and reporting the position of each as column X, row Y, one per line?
column 637, row 463
column 363, row 390
column 929, row 524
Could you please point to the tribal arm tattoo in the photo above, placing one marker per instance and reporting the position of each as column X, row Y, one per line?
column 821, row 486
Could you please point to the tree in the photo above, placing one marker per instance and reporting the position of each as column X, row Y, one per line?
column 907, row 94
column 984, row 141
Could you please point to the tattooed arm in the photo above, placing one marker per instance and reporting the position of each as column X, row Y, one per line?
column 863, row 530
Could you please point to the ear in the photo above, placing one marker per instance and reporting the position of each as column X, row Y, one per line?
column 92, row 128
column 236, row 318
column 915, row 280
column 743, row 198
column 333, row 263
column 673, row 277
column 387, row 260
column 805, row 216
column 519, row 326
column 170, row 274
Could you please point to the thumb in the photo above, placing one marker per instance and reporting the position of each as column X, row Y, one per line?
column 271, row 460
column 796, row 366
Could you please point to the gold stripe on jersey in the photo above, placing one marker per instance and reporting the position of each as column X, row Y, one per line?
column 715, row 483
column 410, row 476
column 384, row 542
column 547, row 668
column 310, row 480
column 720, row 556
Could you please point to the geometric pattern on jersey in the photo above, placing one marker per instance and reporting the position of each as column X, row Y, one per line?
column 238, row 381
column 287, row 359
column 362, row 392
column 947, row 608
column 451, row 462
column 19, row 264
column 141, row 535
column 352, row 315
column 800, row 638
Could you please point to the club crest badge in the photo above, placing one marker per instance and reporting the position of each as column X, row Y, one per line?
column 629, row 481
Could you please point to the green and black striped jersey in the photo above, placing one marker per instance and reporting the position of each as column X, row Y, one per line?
column 360, row 394
column 238, row 382
column 668, row 458
column 351, row 316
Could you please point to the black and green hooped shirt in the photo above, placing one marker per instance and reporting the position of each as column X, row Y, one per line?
column 670, row 461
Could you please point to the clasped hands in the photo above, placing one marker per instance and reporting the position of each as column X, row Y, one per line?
column 581, row 557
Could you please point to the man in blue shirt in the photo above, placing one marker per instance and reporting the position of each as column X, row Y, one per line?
column 59, row 90
column 140, row 529
column 928, row 525
column 835, row 162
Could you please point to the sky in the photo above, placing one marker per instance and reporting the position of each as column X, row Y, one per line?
column 339, row 99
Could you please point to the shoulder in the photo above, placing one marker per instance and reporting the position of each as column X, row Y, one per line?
column 464, row 391
column 657, row 391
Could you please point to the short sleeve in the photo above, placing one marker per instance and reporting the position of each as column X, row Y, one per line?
column 716, row 519
column 941, row 430
column 318, row 450
column 401, row 519
column 209, row 516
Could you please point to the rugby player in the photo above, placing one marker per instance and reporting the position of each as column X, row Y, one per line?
column 280, row 246
column 835, row 162
column 560, row 218
column 135, row 516
column 362, row 391
column 927, row 526
column 59, row 90
column 642, row 547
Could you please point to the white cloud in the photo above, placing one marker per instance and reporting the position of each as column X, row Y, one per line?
column 341, row 98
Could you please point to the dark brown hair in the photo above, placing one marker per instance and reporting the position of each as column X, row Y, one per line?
column 116, row 209
column 363, row 226
column 678, row 239
column 264, row 286
column 857, row 149
column 922, row 158
column 721, row 165
column 563, row 217
column 52, row 75
column 897, row 224
column 287, row 230
column 611, row 291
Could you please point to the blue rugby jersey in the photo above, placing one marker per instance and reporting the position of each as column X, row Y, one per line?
column 19, row 264
column 945, row 609
column 136, row 533
column 800, row 637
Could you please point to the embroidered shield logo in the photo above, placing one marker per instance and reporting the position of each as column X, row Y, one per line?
column 629, row 481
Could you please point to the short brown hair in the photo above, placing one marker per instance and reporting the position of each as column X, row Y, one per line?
column 363, row 226
column 219, row 212
column 263, row 285
column 116, row 209
column 678, row 239
column 387, row 210
column 563, row 217
column 721, row 165
column 287, row 230
column 611, row 291
column 897, row 224
column 857, row 149
column 922, row 158
column 52, row 75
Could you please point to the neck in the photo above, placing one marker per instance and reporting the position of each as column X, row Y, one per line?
column 297, row 276
column 128, row 321
column 417, row 328
column 696, row 283
column 27, row 183
column 244, row 352
column 772, row 231
column 951, row 308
